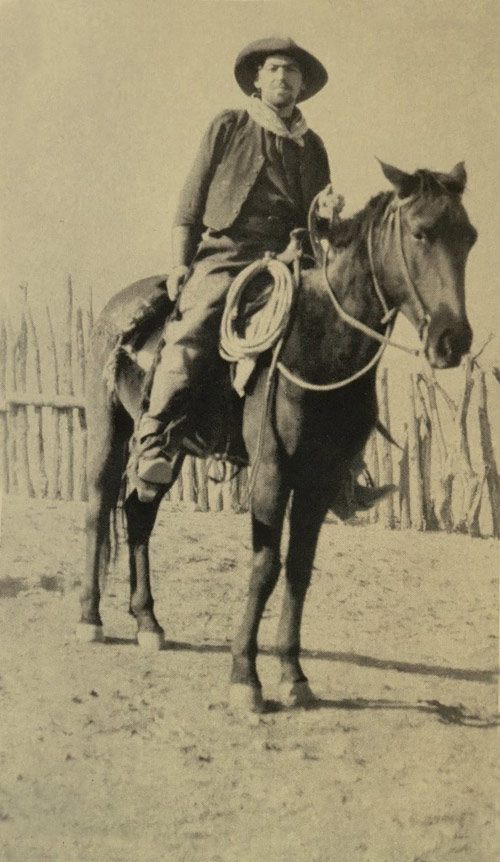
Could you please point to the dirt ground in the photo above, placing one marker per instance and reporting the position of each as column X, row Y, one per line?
column 107, row 753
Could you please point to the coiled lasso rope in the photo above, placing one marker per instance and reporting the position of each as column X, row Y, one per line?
column 266, row 325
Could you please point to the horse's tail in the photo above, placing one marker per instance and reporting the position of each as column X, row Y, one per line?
column 113, row 529
column 109, row 554
column 117, row 519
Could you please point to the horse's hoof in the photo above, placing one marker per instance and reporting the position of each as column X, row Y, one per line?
column 296, row 694
column 88, row 633
column 245, row 698
column 151, row 641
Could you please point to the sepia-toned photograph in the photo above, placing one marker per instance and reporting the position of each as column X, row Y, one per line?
column 249, row 431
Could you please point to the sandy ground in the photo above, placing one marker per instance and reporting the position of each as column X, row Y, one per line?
column 110, row 754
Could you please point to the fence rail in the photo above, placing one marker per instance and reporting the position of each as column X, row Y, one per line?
column 36, row 399
column 43, row 435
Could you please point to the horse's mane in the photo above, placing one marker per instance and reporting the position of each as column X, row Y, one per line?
column 354, row 230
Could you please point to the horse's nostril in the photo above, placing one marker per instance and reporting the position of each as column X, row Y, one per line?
column 453, row 343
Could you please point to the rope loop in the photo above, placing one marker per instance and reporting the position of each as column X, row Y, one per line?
column 267, row 325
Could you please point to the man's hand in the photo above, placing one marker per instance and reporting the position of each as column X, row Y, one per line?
column 329, row 204
column 175, row 280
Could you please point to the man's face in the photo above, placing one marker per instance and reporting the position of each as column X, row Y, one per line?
column 280, row 81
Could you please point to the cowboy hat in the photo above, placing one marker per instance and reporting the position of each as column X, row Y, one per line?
column 248, row 60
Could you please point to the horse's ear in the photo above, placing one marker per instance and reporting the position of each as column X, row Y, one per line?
column 405, row 184
column 457, row 178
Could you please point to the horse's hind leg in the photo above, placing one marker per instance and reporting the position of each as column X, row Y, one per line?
column 307, row 515
column 140, row 522
column 109, row 428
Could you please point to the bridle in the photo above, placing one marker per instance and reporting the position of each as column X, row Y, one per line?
column 389, row 314
column 421, row 313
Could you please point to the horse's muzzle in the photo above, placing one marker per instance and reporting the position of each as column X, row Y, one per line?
column 446, row 349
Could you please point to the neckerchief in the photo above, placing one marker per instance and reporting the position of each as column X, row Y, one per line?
column 269, row 119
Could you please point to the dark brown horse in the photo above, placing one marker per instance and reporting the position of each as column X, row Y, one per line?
column 406, row 250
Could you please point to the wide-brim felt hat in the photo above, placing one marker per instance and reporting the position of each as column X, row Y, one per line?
column 251, row 57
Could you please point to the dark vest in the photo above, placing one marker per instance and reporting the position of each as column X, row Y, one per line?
column 220, row 182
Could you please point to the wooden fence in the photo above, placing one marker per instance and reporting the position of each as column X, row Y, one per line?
column 43, row 434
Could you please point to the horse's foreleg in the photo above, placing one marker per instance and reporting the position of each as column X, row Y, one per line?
column 245, row 683
column 140, row 522
column 307, row 515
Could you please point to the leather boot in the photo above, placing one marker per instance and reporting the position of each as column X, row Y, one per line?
column 155, row 458
column 158, row 449
column 155, row 462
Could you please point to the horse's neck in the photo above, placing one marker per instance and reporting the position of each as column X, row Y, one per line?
column 322, row 347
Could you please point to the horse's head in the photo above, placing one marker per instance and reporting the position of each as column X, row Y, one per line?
column 425, row 238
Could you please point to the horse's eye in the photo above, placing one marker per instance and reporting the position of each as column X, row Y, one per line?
column 419, row 235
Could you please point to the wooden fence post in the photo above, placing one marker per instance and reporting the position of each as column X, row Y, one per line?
column 23, row 459
column 374, row 467
column 242, row 482
column 442, row 476
column 490, row 466
column 201, row 467
column 189, row 482
column 214, row 487
column 472, row 484
column 425, row 440
column 81, row 386
column 404, row 483
column 90, row 312
column 67, row 389
column 33, row 339
column 177, row 490
column 12, row 408
column 230, row 501
column 55, row 467
column 81, row 365
column 4, row 457
column 386, row 506
column 416, row 491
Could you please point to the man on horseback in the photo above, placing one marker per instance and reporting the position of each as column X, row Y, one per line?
column 253, row 180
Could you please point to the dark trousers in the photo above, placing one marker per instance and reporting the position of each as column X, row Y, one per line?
column 192, row 340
